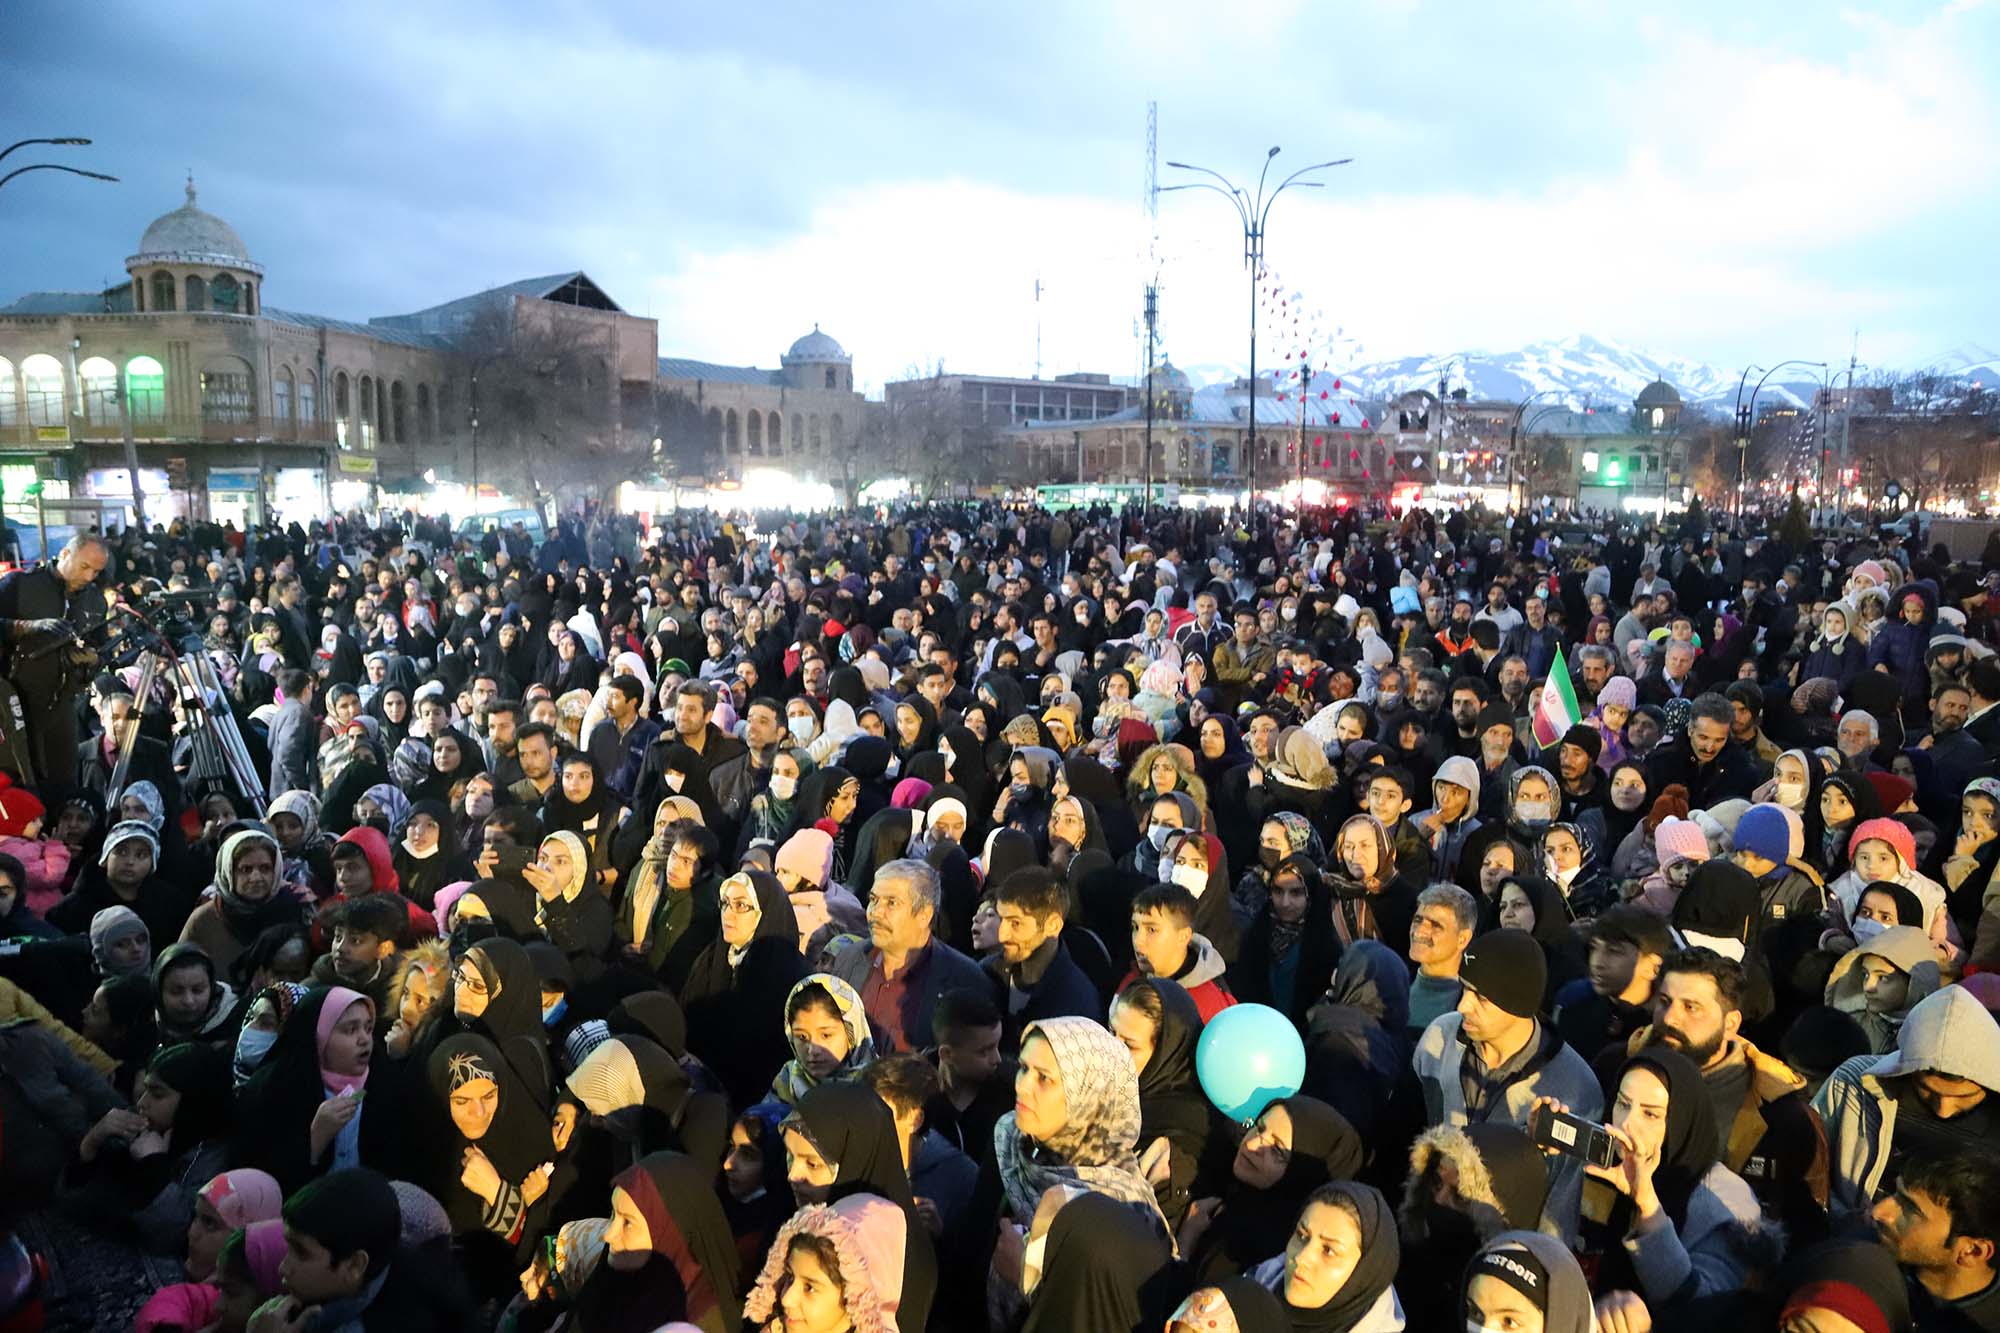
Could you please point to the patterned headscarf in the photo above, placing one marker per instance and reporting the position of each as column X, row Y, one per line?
column 1097, row 1145
column 793, row 1081
column 149, row 796
column 393, row 804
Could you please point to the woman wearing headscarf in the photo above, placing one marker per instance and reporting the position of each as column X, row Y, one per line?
column 1356, row 1047
column 1289, row 952
column 248, row 899
column 1531, row 903
column 965, row 767
column 1076, row 1119
column 302, row 1113
column 306, row 870
column 1100, row 1267
column 454, row 760
column 1295, row 1146
column 1680, row 1225
column 832, row 795
column 385, row 806
column 665, row 1258
column 841, row 1143
column 577, row 919
column 137, row 1172
column 191, row 1002
column 489, row 1159
column 1371, row 898
column 841, row 1266
column 738, row 984
column 628, row 1096
column 1159, row 1024
column 229, row 1202
column 1570, row 862
column 827, row 1029
column 1523, row 1279
column 1338, row 1269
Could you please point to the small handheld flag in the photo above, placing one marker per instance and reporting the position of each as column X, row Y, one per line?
column 1555, row 711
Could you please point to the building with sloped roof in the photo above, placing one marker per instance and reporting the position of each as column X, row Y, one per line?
column 243, row 411
column 804, row 417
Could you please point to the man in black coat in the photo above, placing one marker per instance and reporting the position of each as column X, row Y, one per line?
column 1706, row 761
column 1033, row 977
column 36, row 605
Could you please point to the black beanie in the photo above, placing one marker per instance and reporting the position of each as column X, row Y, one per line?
column 349, row 1210
column 1585, row 738
column 1493, row 715
column 1508, row 968
column 1821, row 1039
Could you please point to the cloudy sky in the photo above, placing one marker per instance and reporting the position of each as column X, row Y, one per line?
column 1719, row 181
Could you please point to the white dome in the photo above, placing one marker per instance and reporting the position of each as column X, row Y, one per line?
column 816, row 347
column 189, row 233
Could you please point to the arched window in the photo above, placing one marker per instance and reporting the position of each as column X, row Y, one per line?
column 424, row 423
column 729, row 426
column 145, row 389
column 367, row 412
column 281, row 402
column 10, row 395
column 715, row 427
column 249, row 298
column 308, row 397
column 798, row 433
column 100, row 391
column 42, row 378
column 812, row 433
column 756, row 431
column 228, row 394
column 398, row 413
column 343, row 410
column 225, row 295
column 833, row 432
column 163, row 291
column 197, row 293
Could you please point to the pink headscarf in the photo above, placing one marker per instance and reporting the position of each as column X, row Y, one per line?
column 909, row 794
column 243, row 1196
column 263, row 1251
column 338, row 1001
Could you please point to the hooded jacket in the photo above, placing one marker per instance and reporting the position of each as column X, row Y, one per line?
column 1202, row 977
column 1448, row 841
column 1909, row 949
column 1546, row 1068
column 1950, row 1033
column 1899, row 645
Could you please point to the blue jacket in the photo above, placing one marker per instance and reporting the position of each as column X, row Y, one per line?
column 1899, row 645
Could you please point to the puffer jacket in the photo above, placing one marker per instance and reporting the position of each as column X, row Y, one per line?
column 1899, row 645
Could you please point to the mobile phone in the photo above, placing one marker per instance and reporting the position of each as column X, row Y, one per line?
column 1573, row 1136
column 511, row 861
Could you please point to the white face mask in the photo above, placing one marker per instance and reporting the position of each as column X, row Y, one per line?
column 783, row 786
column 1192, row 878
column 800, row 727
column 1158, row 835
column 1792, row 795
column 1533, row 812
column 675, row 781
column 1866, row 929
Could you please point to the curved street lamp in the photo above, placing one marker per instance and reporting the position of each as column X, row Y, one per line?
column 1514, row 439
column 1252, row 211
column 1745, row 424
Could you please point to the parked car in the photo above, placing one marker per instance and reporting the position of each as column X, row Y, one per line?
column 475, row 525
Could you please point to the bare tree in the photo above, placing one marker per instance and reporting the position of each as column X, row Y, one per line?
column 541, row 383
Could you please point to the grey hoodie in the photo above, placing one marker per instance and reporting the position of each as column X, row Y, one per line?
column 1448, row 843
column 1950, row 1033
column 1566, row 1305
column 1910, row 951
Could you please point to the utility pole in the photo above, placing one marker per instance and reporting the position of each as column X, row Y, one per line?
column 1847, row 419
column 1038, row 326
column 1305, row 392
column 1152, row 387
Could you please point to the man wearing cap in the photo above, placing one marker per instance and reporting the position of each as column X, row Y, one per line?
column 1492, row 1058
column 1746, row 727
column 1583, row 784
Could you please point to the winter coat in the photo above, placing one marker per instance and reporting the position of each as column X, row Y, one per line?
column 1723, row 1241
column 1899, row 645
column 1950, row 1033
column 47, row 862
column 1910, row 951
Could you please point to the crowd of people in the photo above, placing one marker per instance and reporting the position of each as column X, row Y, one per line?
column 810, row 923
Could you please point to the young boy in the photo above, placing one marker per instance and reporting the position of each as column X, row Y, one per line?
column 1164, row 944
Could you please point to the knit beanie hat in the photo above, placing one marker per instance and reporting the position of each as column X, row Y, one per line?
column 1507, row 967
column 1618, row 690
column 1821, row 1039
column 1795, row 828
column 1891, row 831
column 1762, row 832
column 19, row 808
column 1679, row 840
column 1585, row 738
column 1816, row 696
column 1891, row 790
column 1671, row 803
column 807, row 854
column 125, row 830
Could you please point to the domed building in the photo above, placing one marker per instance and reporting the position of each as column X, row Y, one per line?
column 192, row 260
column 244, row 412
column 1657, row 408
column 804, row 418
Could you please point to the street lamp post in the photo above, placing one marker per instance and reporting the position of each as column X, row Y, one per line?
column 1514, row 443
column 67, row 141
column 1746, row 421
column 1253, row 211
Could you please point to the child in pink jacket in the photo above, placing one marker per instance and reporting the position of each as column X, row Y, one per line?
column 45, row 859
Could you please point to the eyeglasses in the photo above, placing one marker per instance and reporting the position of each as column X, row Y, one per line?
column 739, row 906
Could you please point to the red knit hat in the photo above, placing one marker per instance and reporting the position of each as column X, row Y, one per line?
column 1891, row 790
column 1891, row 831
column 19, row 808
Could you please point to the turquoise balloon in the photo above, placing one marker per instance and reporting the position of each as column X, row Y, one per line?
column 1249, row 1056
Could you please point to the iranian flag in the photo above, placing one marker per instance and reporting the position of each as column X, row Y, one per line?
column 1556, row 711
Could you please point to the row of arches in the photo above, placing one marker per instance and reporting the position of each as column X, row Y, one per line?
column 762, row 434
column 218, row 293
column 35, row 393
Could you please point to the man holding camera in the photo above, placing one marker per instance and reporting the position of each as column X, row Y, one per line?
column 36, row 607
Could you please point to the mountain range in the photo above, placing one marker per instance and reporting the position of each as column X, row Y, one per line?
column 1585, row 370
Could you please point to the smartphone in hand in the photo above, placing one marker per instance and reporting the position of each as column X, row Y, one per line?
column 1573, row 1136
